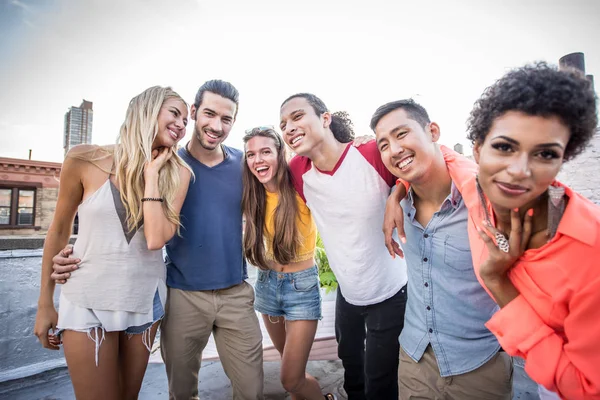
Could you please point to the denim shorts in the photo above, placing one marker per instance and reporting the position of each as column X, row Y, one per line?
column 158, row 312
column 293, row 295
column 88, row 320
column 81, row 319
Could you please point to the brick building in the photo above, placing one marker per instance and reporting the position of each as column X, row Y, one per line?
column 28, row 193
column 583, row 173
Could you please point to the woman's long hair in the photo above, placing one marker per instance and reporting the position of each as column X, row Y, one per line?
column 285, row 235
column 134, row 149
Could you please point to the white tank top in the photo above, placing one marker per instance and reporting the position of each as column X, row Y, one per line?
column 117, row 271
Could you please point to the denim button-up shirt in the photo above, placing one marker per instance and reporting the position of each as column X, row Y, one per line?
column 447, row 307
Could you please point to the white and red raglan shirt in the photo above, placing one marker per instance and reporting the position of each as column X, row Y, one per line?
column 348, row 205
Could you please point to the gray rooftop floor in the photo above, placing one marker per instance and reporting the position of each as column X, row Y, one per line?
column 214, row 385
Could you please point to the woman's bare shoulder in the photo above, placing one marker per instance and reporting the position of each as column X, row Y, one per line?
column 85, row 156
column 91, row 151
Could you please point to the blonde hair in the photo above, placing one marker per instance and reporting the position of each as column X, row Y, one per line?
column 134, row 149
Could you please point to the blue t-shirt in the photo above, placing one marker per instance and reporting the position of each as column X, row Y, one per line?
column 208, row 254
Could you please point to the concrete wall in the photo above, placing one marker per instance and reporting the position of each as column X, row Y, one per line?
column 583, row 173
column 20, row 353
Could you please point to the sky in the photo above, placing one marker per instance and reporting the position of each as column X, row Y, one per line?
column 355, row 55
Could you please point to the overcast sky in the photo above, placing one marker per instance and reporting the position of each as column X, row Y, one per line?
column 355, row 55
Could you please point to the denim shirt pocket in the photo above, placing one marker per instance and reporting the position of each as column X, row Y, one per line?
column 457, row 253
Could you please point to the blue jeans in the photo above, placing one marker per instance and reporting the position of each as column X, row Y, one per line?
column 293, row 295
column 368, row 346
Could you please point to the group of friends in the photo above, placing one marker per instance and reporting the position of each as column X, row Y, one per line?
column 447, row 267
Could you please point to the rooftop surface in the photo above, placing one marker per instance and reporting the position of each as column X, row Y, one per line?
column 214, row 384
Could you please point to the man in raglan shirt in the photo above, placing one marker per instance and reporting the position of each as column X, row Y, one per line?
column 346, row 188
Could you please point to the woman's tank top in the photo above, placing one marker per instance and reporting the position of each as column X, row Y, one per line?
column 117, row 271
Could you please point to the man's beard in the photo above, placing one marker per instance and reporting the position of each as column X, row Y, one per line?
column 203, row 143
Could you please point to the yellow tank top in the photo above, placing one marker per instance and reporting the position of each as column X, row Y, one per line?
column 307, row 230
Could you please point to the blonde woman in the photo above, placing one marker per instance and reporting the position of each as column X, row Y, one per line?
column 128, row 197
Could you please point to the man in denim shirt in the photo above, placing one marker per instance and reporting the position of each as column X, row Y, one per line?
column 446, row 351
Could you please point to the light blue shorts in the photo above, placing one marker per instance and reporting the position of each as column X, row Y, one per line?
column 293, row 295
column 158, row 313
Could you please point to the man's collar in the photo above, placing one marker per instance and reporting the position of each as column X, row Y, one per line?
column 226, row 154
column 455, row 197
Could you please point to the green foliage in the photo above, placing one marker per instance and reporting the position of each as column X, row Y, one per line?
column 326, row 276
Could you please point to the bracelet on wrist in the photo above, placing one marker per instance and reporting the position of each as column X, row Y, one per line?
column 152, row 199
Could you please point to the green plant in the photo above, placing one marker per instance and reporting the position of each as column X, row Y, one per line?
column 326, row 275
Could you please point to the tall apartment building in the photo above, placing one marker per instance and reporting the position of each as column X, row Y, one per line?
column 78, row 125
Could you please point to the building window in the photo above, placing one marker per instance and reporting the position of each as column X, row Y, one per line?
column 17, row 207
column 25, row 210
column 5, row 206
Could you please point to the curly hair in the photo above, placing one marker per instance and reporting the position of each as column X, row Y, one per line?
column 539, row 90
column 341, row 125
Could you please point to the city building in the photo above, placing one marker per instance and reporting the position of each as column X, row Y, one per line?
column 78, row 125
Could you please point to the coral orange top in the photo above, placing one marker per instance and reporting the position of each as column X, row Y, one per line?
column 555, row 321
column 307, row 230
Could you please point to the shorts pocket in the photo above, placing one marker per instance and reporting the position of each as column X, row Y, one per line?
column 304, row 283
column 457, row 253
column 261, row 276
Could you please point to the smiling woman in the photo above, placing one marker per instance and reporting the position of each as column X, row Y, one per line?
column 535, row 242
column 519, row 160
column 128, row 197
column 280, row 238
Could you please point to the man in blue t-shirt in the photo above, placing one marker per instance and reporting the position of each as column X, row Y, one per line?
column 205, row 264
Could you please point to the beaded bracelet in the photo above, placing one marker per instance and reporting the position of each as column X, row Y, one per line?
column 152, row 199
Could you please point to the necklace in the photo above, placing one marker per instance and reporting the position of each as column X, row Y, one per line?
column 556, row 206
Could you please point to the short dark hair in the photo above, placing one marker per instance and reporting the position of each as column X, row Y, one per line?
column 341, row 124
column 222, row 88
column 539, row 90
column 414, row 110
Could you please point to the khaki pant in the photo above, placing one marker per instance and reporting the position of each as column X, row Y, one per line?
column 422, row 380
column 190, row 318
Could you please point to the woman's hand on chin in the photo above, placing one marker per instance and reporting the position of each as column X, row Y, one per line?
column 160, row 156
column 504, row 252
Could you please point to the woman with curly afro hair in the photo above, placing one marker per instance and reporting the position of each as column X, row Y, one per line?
column 535, row 242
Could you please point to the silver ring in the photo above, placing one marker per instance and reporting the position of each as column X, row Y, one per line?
column 502, row 242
